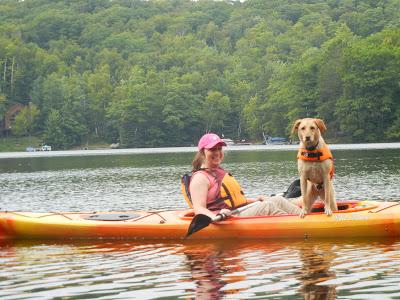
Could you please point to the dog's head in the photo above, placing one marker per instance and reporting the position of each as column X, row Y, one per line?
column 309, row 131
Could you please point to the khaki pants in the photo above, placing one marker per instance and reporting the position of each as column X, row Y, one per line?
column 275, row 205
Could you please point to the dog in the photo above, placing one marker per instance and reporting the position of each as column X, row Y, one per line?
column 315, row 166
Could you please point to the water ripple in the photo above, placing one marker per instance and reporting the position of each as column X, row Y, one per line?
column 231, row 270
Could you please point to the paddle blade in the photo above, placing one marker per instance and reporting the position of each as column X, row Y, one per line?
column 198, row 222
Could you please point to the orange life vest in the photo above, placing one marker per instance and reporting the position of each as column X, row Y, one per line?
column 230, row 192
column 317, row 155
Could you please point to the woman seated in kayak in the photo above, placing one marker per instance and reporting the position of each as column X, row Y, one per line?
column 210, row 196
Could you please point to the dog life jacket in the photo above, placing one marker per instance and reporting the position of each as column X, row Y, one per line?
column 230, row 191
column 317, row 155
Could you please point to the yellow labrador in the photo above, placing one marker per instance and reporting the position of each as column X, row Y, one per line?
column 315, row 165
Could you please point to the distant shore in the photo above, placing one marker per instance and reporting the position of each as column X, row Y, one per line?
column 129, row 151
column 17, row 147
column 16, row 144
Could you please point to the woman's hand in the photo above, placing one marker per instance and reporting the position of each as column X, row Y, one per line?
column 260, row 198
column 226, row 212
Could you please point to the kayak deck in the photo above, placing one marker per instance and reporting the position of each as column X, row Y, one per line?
column 354, row 219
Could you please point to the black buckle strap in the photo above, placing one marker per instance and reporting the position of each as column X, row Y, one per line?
column 312, row 154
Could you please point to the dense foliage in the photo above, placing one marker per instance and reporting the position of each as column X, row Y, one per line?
column 161, row 73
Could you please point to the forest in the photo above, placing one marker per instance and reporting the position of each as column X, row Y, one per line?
column 161, row 73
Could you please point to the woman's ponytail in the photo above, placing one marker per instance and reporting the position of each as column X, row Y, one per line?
column 198, row 160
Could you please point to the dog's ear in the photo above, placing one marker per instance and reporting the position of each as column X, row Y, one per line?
column 321, row 125
column 296, row 125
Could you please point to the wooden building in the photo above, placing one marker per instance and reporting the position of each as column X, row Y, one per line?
column 9, row 118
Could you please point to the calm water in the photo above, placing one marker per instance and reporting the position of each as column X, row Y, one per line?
column 149, row 179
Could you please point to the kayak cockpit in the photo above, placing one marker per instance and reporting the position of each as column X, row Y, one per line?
column 344, row 206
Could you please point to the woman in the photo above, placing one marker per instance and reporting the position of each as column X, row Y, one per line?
column 205, row 185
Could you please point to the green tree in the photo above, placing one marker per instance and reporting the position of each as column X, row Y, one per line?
column 99, row 94
column 180, row 113
column 252, row 119
column 25, row 121
column 370, row 97
column 2, row 106
column 331, row 65
column 145, row 72
column 54, row 134
column 216, row 106
column 62, row 131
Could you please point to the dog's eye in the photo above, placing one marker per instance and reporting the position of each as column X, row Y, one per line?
column 312, row 127
column 302, row 128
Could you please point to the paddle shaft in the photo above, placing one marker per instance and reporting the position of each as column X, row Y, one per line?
column 236, row 211
column 201, row 221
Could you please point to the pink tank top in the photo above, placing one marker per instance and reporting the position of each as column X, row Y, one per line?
column 214, row 188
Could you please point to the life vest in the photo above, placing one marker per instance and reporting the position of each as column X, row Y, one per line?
column 317, row 155
column 230, row 192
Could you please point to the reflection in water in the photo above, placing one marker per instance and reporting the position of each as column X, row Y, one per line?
column 206, row 270
column 317, row 261
column 200, row 270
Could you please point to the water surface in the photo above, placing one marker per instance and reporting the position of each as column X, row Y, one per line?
column 149, row 180
column 206, row 270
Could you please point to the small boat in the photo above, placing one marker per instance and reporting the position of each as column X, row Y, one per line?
column 228, row 141
column 354, row 219
column 277, row 141
column 242, row 142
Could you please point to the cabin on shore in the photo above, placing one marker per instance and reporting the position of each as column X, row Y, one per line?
column 9, row 118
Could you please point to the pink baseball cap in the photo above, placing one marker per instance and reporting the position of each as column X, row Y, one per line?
column 210, row 140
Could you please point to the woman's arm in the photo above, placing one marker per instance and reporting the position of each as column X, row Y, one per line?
column 258, row 198
column 198, row 191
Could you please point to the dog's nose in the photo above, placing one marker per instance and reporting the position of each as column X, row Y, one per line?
column 308, row 138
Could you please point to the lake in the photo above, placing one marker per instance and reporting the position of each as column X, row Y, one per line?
column 149, row 179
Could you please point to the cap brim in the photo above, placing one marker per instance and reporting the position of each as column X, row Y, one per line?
column 212, row 145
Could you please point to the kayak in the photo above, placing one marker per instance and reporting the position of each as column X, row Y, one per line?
column 353, row 219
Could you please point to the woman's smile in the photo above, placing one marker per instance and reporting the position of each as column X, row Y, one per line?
column 214, row 156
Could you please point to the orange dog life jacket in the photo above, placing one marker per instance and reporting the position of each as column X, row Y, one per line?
column 317, row 155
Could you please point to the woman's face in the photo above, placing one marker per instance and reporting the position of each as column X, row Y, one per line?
column 214, row 156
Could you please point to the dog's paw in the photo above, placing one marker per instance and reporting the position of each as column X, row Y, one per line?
column 328, row 211
column 302, row 213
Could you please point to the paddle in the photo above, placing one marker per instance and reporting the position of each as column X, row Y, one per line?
column 201, row 221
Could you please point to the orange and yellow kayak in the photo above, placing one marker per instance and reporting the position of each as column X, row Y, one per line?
column 354, row 219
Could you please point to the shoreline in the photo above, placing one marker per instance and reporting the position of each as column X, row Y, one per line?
column 106, row 152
